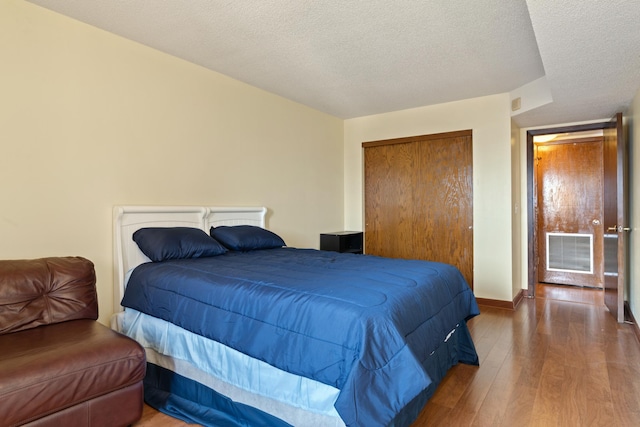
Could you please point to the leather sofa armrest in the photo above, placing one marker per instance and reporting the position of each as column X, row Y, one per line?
column 46, row 290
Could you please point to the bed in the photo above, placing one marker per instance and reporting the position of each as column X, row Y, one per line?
column 260, row 334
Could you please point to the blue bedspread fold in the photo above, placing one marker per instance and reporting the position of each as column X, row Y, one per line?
column 360, row 323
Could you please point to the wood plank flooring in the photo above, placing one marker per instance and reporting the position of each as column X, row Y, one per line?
column 558, row 360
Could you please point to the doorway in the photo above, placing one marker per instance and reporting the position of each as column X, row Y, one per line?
column 568, row 179
column 534, row 237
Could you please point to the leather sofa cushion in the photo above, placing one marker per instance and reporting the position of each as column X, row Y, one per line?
column 47, row 290
column 49, row 368
column 116, row 409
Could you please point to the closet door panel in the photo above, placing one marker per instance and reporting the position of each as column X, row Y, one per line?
column 443, row 202
column 389, row 200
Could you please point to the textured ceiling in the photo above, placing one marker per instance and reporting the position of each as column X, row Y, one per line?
column 352, row 58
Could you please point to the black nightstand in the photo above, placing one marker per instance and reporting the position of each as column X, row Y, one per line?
column 342, row 241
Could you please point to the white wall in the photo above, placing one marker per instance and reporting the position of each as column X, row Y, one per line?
column 89, row 120
column 489, row 118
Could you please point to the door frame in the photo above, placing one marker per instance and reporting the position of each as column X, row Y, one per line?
column 616, row 212
column 532, row 235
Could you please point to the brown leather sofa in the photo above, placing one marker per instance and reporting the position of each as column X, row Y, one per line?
column 58, row 365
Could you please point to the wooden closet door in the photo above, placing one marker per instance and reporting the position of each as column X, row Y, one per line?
column 419, row 199
column 443, row 206
column 389, row 197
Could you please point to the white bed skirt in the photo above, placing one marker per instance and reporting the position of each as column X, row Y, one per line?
column 297, row 400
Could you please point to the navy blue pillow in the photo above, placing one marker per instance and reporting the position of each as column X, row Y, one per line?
column 165, row 243
column 246, row 237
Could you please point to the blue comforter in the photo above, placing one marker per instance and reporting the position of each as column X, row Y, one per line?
column 360, row 323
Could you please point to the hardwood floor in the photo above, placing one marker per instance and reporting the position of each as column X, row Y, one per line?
column 153, row 418
column 552, row 362
column 558, row 360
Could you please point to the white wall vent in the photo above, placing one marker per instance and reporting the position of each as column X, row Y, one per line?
column 570, row 252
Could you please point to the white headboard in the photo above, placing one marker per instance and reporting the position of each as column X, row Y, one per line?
column 128, row 219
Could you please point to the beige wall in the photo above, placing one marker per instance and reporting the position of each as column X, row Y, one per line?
column 89, row 120
column 517, row 175
column 633, row 122
column 489, row 118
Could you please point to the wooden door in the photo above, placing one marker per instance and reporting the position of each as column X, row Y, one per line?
column 569, row 202
column 615, row 217
column 419, row 199
column 388, row 175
